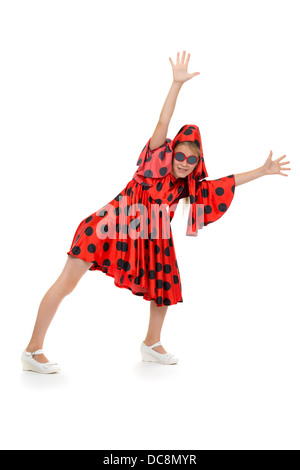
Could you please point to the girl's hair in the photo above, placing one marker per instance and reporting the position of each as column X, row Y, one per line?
column 194, row 148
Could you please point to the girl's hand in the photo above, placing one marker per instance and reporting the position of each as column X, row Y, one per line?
column 180, row 73
column 273, row 167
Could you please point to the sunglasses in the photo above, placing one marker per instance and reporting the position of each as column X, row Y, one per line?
column 180, row 157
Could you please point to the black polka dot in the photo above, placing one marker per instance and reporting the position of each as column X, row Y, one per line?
column 222, row 207
column 204, row 192
column 126, row 266
column 141, row 272
column 148, row 158
column 189, row 130
column 139, row 161
column 148, row 174
column 167, row 285
column 91, row 248
column 156, row 249
column 151, row 274
column 118, row 197
column 122, row 279
column 88, row 219
column 232, row 188
column 158, row 267
column 102, row 213
column 175, row 279
column 159, row 284
column 105, row 246
column 106, row 262
column 104, row 228
column 159, row 300
column 170, row 197
column 207, row 209
column 153, row 234
column 159, row 186
column 137, row 280
column 134, row 224
column 76, row 250
column 167, row 251
column 163, row 171
column 161, row 155
column 167, row 268
column 88, row 231
column 180, row 188
column 219, row 191
column 167, row 301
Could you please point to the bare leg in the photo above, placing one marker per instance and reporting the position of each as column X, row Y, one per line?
column 73, row 270
column 157, row 316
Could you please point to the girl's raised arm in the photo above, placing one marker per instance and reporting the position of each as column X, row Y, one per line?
column 180, row 75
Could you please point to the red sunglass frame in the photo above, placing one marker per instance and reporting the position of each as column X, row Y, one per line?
column 186, row 158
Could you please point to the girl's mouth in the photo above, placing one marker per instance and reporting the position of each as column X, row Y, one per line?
column 182, row 169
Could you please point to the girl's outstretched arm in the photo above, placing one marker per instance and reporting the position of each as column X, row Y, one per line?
column 270, row 167
column 180, row 75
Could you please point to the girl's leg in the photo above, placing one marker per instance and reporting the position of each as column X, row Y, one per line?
column 157, row 316
column 74, row 269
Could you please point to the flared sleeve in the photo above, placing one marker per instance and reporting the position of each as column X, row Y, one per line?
column 213, row 198
column 155, row 163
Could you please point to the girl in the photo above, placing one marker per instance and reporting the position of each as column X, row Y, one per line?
column 130, row 239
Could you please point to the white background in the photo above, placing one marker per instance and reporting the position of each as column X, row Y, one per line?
column 82, row 85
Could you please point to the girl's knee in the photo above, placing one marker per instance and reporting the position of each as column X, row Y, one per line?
column 65, row 286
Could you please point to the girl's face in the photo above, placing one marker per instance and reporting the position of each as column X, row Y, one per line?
column 183, row 169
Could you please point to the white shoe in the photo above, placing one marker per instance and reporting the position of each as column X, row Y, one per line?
column 148, row 355
column 29, row 363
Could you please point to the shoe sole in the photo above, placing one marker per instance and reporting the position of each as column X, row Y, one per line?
column 147, row 358
column 31, row 368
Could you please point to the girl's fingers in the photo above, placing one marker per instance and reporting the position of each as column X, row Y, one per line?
column 183, row 57
column 173, row 65
column 177, row 60
column 284, row 163
column 280, row 158
column 270, row 155
column 283, row 174
column 194, row 74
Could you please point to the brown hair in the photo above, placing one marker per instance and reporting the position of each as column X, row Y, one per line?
column 194, row 148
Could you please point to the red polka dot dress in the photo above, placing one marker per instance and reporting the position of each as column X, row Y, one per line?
column 130, row 238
